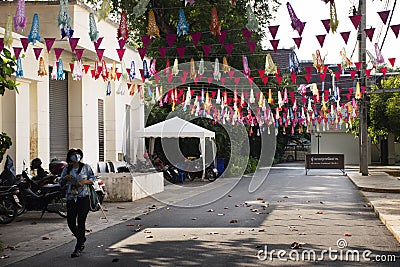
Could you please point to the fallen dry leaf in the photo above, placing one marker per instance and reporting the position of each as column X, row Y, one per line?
column 261, row 230
column 210, row 210
column 234, row 221
column 229, row 196
column 285, row 197
column 45, row 238
column 295, row 245
column 292, row 228
column 193, row 237
column 121, row 208
column 226, row 208
column 260, row 198
column 194, row 219
column 346, row 234
column 149, row 236
column 123, row 219
column 214, row 233
column 129, row 224
column 147, row 231
column 320, row 212
column 137, row 218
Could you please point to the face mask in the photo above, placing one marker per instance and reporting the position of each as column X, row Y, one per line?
column 75, row 158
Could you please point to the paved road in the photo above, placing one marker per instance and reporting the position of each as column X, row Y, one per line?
column 314, row 211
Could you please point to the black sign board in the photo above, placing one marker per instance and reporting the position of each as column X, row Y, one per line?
column 325, row 161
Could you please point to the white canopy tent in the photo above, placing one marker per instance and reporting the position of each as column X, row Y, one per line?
column 175, row 128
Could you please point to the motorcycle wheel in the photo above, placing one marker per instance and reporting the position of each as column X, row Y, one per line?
column 210, row 175
column 189, row 176
column 101, row 196
column 61, row 204
column 21, row 206
column 8, row 211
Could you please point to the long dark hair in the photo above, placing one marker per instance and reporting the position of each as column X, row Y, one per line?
column 70, row 152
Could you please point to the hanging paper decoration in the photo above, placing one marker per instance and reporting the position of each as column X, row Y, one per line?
column 113, row 72
column 270, row 66
column 34, row 33
column 345, row 60
column 108, row 90
column 20, row 17
column 334, row 20
column 201, row 67
column 146, row 73
column 153, row 70
column 175, row 68
column 294, row 63
column 105, row 9
column 318, row 62
column 193, row 72
column 93, row 33
column 123, row 32
column 64, row 20
column 215, row 26
column 225, row 66
column 77, row 72
column 216, row 73
column 140, row 8
column 182, row 28
column 42, row 68
column 379, row 58
column 246, row 69
column 132, row 71
column 296, row 24
column 252, row 23
column 60, row 70
column 19, row 71
column 54, row 71
column 104, row 72
column 8, row 39
column 152, row 28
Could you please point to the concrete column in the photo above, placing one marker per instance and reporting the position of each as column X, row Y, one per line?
column 391, row 150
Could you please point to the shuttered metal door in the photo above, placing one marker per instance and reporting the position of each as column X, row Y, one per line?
column 58, row 118
column 100, row 113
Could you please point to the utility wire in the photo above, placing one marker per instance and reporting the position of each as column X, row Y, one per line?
column 390, row 19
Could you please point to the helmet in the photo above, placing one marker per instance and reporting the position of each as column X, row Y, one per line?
column 35, row 163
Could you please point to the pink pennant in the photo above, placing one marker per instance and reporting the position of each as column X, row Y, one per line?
column 358, row 65
column 392, row 61
column 195, row 37
column 237, row 80
column 274, row 44
column 395, row 29
column 231, row 72
column 49, row 43
column 223, row 79
column 209, row 79
column 355, row 20
column 384, row 15
column 1, row 44
column 185, row 74
column 345, row 36
column 181, row 51
column 17, row 51
column 265, row 80
column 37, row 51
column 163, row 51
column 142, row 52
column 145, row 41
column 273, row 30
column 279, row 79
column 353, row 74
column 73, row 42
column 122, row 42
column 86, row 68
column 308, row 77
column 170, row 77
column 121, row 52
column 100, row 53
column 308, row 69
column 321, row 39
column 250, row 80
column 252, row 46
column 97, row 43
column 247, row 34
column 383, row 70
column 228, row 48
column 337, row 75
column 170, row 39
column 57, row 52
column 327, row 25
column 222, row 36
column 24, row 42
column 368, row 72
column 261, row 73
column 297, row 41
column 157, row 78
column 370, row 33
column 206, row 49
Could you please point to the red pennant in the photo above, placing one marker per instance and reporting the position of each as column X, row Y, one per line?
column 37, row 51
column 1, row 44
column 337, row 75
column 370, row 33
column 395, row 29
column 145, row 40
column 79, row 52
column 17, row 51
column 353, row 74
column 206, row 49
column 345, row 36
column 100, row 53
column 97, row 43
column 228, row 48
column 170, row 39
column 71, row 66
column 274, row 44
column 265, row 80
column 122, row 42
column 57, row 52
column 355, row 20
column 247, row 34
column 340, row 67
column 195, row 37
column 252, row 46
column 308, row 77
column 222, row 36
column 237, row 80
column 92, row 71
column 170, row 77
column 383, row 70
column 279, row 79
column 49, row 43
column 322, row 76
column 368, row 72
column 392, row 60
column 308, row 69
column 163, row 51
column 293, row 77
column 358, row 65
column 73, row 42
column 209, row 79
column 273, row 30
column 121, row 52
column 223, row 79
column 86, row 68
column 261, row 73
column 24, row 42
column 142, row 52
column 297, row 41
column 231, row 72
column 384, row 15
column 185, row 74
column 119, row 75
column 181, row 51
column 327, row 25
column 321, row 39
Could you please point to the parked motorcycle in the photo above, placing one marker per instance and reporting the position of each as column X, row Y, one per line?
column 211, row 173
column 8, row 203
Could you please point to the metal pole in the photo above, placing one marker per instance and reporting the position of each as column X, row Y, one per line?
column 363, row 108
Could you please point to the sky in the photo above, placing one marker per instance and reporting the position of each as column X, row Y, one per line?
column 334, row 42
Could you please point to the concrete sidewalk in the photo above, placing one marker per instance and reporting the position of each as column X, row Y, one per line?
column 382, row 192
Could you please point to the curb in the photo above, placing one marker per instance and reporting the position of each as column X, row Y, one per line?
column 374, row 189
